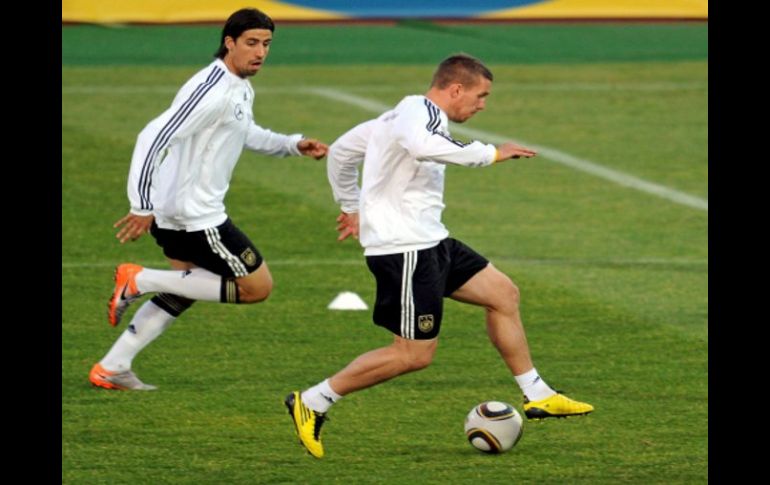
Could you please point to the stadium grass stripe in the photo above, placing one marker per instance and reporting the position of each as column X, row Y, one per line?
column 408, row 43
column 86, row 89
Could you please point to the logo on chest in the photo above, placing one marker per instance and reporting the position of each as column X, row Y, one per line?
column 238, row 112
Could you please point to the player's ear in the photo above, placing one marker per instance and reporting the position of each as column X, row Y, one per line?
column 455, row 89
column 229, row 43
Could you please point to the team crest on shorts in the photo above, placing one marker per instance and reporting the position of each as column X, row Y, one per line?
column 249, row 257
column 425, row 323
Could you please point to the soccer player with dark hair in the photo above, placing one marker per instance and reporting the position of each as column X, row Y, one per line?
column 180, row 172
column 397, row 215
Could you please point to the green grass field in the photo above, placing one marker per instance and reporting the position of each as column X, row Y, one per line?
column 614, row 280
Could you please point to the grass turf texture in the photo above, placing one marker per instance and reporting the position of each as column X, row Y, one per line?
column 614, row 281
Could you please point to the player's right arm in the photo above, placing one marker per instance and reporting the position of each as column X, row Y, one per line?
column 345, row 156
column 198, row 104
column 132, row 226
column 343, row 159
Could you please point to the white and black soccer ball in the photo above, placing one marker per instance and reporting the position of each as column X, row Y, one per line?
column 493, row 427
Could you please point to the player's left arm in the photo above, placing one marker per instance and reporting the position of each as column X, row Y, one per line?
column 416, row 132
column 510, row 150
column 310, row 147
column 268, row 142
column 439, row 147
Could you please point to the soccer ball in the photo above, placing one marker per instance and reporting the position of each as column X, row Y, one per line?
column 493, row 427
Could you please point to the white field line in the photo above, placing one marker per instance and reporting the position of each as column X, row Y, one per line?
column 563, row 158
column 583, row 165
column 577, row 86
column 362, row 262
column 555, row 87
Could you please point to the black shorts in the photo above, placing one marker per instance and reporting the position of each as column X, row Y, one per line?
column 223, row 250
column 411, row 286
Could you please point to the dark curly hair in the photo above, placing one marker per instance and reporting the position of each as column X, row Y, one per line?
column 242, row 20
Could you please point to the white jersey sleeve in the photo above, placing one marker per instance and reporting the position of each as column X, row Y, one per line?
column 262, row 140
column 196, row 106
column 345, row 156
column 419, row 130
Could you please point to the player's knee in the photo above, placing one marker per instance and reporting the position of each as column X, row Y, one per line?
column 514, row 295
column 508, row 297
column 420, row 361
column 413, row 361
column 255, row 288
column 256, row 295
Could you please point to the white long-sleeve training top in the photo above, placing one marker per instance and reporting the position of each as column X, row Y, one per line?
column 404, row 152
column 183, row 159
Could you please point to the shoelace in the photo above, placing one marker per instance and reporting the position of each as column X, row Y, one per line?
column 557, row 391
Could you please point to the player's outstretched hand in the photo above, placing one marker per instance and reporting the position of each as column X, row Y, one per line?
column 312, row 148
column 511, row 150
column 132, row 226
column 347, row 225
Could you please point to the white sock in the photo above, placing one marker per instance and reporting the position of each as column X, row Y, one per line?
column 195, row 284
column 320, row 397
column 533, row 386
column 148, row 323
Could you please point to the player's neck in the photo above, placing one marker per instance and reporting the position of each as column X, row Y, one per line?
column 438, row 98
column 231, row 67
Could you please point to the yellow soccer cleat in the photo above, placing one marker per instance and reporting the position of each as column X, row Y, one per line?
column 307, row 424
column 556, row 406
